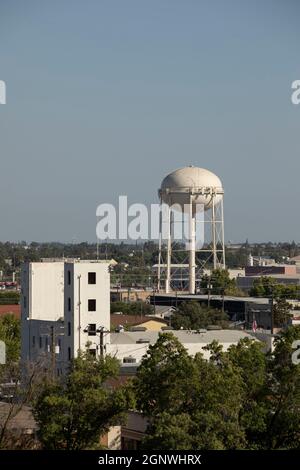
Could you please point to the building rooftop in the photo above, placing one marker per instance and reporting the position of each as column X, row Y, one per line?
column 184, row 336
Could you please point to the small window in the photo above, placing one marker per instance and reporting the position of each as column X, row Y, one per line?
column 92, row 329
column 92, row 278
column 69, row 353
column 46, row 343
column 33, row 341
column 92, row 352
column 69, row 328
column 25, row 301
column 92, row 305
column 41, row 342
column 69, row 277
column 69, row 304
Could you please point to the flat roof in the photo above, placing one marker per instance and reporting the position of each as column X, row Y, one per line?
column 184, row 336
column 260, row 300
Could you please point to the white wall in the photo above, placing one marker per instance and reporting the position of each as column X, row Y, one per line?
column 80, row 291
column 45, row 294
column 120, row 351
column 43, row 290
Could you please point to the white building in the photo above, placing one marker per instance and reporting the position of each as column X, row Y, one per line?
column 130, row 346
column 63, row 304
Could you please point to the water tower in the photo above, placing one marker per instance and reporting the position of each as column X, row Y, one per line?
column 197, row 195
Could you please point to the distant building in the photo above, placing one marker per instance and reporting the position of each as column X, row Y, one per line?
column 128, row 321
column 270, row 270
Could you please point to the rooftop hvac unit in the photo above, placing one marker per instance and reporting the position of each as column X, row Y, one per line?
column 143, row 340
column 129, row 360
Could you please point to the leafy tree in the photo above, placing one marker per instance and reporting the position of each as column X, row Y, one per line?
column 73, row 414
column 219, row 283
column 266, row 286
column 281, row 312
column 10, row 333
column 172, row 386
column 283, row 399
column 192, row 315
column 132, row 308
column 238, row 399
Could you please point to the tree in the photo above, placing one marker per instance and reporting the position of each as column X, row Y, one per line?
column 189, row 402
column 19, row 385
column 281, row 312
column 10, row 333
column 283, row 426
column 266, row 286
column 74, row 413
column 132, row 308
column 192, row 315
column 220, row 283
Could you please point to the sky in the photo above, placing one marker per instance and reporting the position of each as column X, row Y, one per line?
column 106, row 97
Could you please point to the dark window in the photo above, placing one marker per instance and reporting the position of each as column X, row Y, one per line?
column 25, row 301
column 92, row 305
column 46, row 343
column 69, row 304
column 92, row 329
column 92, row 278
column 41, row 342
column 69, row 328
column 69, row 277
column 33, row 341
column 92, row 352
column 69, row 353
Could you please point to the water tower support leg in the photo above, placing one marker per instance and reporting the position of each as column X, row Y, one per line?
column 192, row 248
column 169, row 248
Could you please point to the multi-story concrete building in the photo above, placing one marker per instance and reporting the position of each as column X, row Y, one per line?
column 63, row 304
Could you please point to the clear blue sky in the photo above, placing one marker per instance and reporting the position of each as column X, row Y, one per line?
column 105, row 97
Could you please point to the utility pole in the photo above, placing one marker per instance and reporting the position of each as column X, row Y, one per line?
column 101, row 342
column 223, row 300
column 208, row 291
column 272, row 313
column 53, row 360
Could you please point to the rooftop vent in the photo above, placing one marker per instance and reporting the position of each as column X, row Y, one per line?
column 143, row 340
column 138, row 328
column 129, row 360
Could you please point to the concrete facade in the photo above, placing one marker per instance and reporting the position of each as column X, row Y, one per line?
column 63, row 303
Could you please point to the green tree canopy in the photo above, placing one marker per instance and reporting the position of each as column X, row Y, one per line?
column 73, row 414
column 192, row 315
column 238, row 399
column 219, row 283
column 10, row 333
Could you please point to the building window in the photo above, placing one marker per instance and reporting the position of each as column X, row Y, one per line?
column 69, row 353
column 92, row 305
column 46, row 343
column 41, row 342
column 92, row 352
column 69, row 304
column 69, row 277
column 69, row 328
column 92, row 329
column 92, row 278
column 25, row 301
column 33, row 341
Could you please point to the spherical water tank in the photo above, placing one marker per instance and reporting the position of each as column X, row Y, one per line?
column 178, row 186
